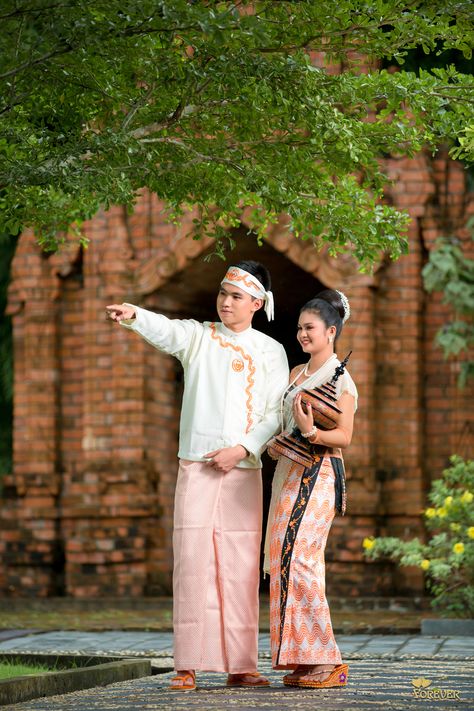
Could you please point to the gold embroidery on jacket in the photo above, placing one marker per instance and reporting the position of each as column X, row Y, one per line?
column 250, row 374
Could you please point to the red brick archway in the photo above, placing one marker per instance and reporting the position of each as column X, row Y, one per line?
column 86, row 510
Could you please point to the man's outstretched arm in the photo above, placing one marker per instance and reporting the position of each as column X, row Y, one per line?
column 172, row 336
column 120, row 312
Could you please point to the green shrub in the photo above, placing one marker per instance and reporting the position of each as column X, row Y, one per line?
column 447, row 558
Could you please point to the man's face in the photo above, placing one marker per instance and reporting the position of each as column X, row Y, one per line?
column 235, row 307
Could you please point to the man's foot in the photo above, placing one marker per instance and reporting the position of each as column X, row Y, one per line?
column 184, row 681
column 252, row 679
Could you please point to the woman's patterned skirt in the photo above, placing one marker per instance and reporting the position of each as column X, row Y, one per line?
column 300, row 622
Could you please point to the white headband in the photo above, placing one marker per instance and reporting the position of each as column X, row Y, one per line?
column 251, row 285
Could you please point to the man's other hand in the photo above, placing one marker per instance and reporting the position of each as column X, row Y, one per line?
column 225, row 459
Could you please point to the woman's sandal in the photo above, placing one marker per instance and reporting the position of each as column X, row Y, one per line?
column 252, row 679
column 187, row 682
column 337, row 677
column 303, row 670
column 295, row 674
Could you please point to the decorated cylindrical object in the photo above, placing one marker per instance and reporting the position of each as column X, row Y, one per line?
column 326, row 414
column 293, row 446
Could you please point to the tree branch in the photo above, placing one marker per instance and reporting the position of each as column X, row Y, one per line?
column 201, row 156
column 35, row 11
column 180, row 111
column 14, row 101
column 39, row 60
column 138, row 105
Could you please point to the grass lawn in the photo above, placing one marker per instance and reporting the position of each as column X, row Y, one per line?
column 73, row 619
column 10, row 669
column 158, row 617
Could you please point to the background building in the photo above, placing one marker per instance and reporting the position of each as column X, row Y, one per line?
column 87, row 510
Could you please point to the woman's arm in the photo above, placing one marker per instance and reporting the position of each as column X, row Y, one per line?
column 341, row 435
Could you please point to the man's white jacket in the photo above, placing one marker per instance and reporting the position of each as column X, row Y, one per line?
column 233, row 383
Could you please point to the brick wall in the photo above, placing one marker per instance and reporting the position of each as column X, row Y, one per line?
column 88, row 508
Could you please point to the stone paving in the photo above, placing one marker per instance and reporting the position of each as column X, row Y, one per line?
column 160, row 644
column 381, row 675
column 373, row 685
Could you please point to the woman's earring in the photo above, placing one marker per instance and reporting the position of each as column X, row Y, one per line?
column 330, row 339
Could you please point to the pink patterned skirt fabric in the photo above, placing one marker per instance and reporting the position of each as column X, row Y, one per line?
column 216, row 545
column 300, row 622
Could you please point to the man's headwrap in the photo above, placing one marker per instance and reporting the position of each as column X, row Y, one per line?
column 251, row 285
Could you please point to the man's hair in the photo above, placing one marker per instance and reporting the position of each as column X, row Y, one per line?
column 258, row 270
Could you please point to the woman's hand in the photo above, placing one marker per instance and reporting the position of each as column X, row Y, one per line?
column 303, row 414
column 119, row 312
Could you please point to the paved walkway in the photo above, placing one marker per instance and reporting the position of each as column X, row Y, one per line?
column 373, row 685
column 383, row 669
column 160, row 645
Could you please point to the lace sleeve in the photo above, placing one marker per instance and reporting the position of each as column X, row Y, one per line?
column 345, row 384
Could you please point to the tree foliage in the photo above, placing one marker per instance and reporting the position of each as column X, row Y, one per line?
column 450, row 271
column 219, row 105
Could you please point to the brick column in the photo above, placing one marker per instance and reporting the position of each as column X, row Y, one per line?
column 398, row 398
column 344, row 552
column 107, row 503
column 30, row 545
column 400, row 373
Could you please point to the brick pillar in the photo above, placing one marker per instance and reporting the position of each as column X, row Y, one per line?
column 108, row 503
column 164, row 385
column 344, row 552
column 30, row 545
column 398, row 398
column 399, row 437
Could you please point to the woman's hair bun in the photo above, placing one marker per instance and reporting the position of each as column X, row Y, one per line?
column 337, row 300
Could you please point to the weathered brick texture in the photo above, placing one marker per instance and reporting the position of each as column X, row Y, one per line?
column 88, row 508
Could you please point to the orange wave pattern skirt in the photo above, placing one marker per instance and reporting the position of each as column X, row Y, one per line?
column 300, row 622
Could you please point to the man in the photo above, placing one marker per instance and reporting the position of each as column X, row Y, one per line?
column 234, row 379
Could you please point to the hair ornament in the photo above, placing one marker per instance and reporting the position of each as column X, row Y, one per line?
column 345, row 305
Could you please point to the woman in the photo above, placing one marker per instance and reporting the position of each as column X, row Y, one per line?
column 303, row 506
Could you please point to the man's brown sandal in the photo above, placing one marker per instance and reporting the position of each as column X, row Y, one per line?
column 252, row 679
column 185, row 682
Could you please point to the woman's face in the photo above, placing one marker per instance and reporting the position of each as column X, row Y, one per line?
column 312, row 334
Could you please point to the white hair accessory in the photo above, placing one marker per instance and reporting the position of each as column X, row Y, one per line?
column 345, row 305
column 251, row 285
